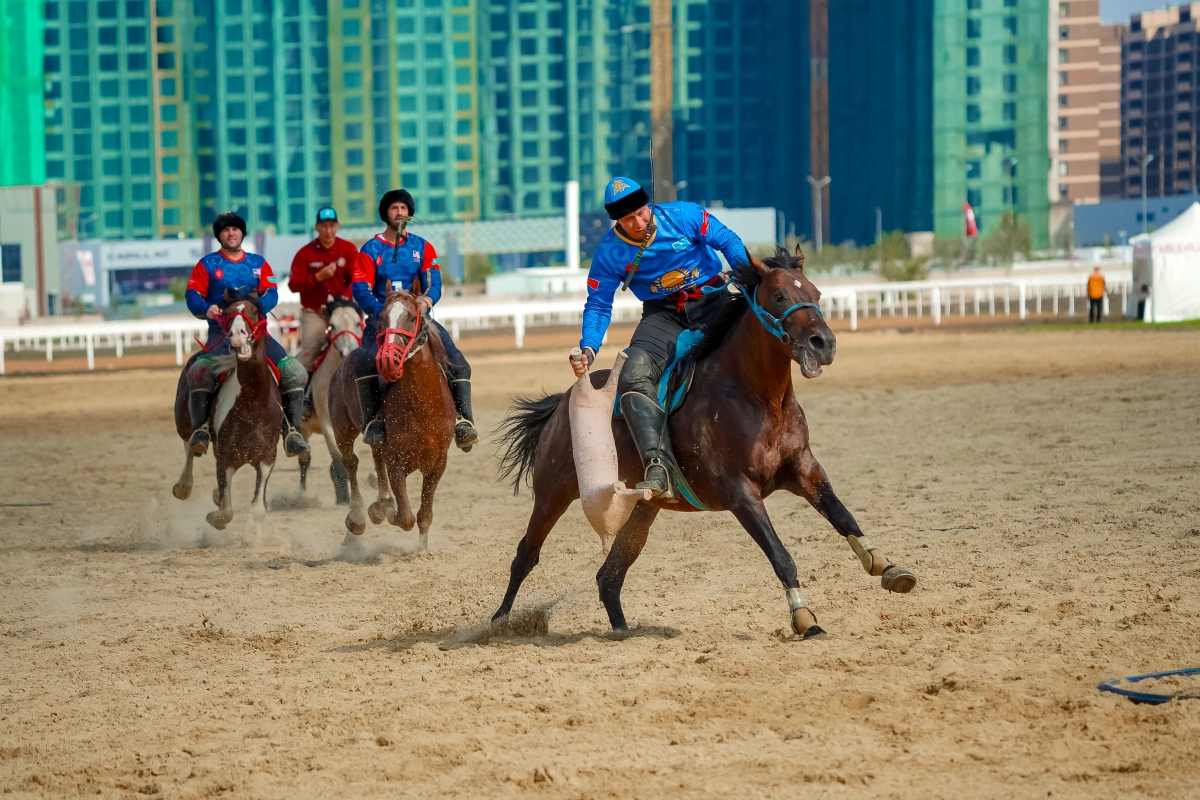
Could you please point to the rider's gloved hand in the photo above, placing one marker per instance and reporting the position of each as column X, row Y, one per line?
column 581, row 360
column 425, row 303
column 213, row 312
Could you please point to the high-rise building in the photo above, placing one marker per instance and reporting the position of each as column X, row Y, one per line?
column 1159, row 102
column 161, row 114
column 21, row 118
column 935, row 103
column 1085, row 70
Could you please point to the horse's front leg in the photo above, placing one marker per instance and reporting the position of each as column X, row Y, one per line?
column 429, row 484
column 753, row 516
column 224, row 513
column 625, row 550
column 384, row 506
column 183, row 487
column 400, row 514
column 813, row 485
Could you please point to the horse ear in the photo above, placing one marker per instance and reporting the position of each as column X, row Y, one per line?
column 229, row 295
column 799, row 258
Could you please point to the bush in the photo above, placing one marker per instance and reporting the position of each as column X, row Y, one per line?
column 1010, row 237
column 178, row 288
column 477, row 267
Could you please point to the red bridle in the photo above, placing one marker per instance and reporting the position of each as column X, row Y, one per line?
column 256, row 328
column 390, row 362
column 333, row 337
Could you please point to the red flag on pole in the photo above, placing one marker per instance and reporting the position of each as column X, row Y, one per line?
column 969, row 221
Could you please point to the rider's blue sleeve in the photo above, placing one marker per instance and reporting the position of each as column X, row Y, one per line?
column 602, row 285
column 269, row 299
column 366, row 298
column 196, row 303
column 713, row 233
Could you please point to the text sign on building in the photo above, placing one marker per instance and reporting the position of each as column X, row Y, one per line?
column 160, row 253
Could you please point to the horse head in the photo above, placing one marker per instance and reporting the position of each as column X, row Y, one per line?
column 402, row 333
column 345, row 320
column 243, row 320
column 786, row 302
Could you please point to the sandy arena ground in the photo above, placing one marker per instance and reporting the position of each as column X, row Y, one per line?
column 1042, row 485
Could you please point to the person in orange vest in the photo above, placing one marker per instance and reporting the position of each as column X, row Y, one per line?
column 1095, row 295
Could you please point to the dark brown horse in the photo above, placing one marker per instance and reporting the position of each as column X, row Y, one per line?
column 739, row 436
column 247, row 417
column 418, row 416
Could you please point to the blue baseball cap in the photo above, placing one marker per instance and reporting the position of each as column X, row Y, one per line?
column 326, row 213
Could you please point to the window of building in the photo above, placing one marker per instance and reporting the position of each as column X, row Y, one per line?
column 972, row 56
column 531, row 174
column 351, row 28
column 1064, row 32
column 974, row 5
column 356, row 208
column 973, row 85
column 354, row 183
column 353, row 105
column 1010, row 83
column 1063, row 145
column 10, row 263
column 1062, row 101
column 437, row 180
column 1010, row 112
column 1010, row 25
column 1063, row 78
column 974, row 170
column 1062, row 168
column 975, row 199
column 973, row 113
column 1064, row 55
column 463, row 127
column 1064, row 10
column 354, row 157
column 465, row 177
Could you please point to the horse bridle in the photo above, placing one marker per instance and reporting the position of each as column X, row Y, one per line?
column 415, row 337
column 256, row 328
column 773, row 324
column 333, row 337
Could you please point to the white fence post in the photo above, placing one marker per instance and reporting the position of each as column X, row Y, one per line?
column 49, row 348
column 178, row 348
column 935, row 304
column 1021, row 290
column 519, row 327
column 853, row 311
column 91, row 352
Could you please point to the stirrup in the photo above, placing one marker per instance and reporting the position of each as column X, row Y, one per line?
column 375, row 433
column 465, row 435
column 198, row 442
column 294, row 444
column 662, row 490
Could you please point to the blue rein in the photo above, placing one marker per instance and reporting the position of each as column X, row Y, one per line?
column 773, row 324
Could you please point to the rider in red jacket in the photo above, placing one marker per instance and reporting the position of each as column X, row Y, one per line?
column 320, row 271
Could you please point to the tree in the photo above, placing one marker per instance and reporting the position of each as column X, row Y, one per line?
column 477, row 266
column 1010, row 237
column 896, row 261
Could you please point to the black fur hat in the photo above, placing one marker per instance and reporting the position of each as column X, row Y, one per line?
column 228, row 220
column 396, row 196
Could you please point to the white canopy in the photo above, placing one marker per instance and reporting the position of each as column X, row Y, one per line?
column 1168, row 261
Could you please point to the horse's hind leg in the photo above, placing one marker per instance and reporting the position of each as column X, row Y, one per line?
column 425, row 512
column 183, row 487
column 356, row 518
column 305, row 462
column 625, row 550
column 224, row 513
column 548, row 506
column 753, row 516
column 259, row 504
column 814, row 486
column 384, row 506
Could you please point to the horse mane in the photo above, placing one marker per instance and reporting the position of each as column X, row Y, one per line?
column 717, row 329
column 342, row 302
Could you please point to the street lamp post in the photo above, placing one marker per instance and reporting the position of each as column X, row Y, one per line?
column 1146, row 159
column 817, row 186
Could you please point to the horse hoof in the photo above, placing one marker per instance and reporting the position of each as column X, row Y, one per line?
column 377, row 516
column 405, row 522
column 357, row 528
column 216, row 520
column 814, row 632
column 181, row 492
column 897, row 579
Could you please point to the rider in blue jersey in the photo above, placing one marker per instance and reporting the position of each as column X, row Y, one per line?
column 393, row 260
column 231, row 267
column 669, row 248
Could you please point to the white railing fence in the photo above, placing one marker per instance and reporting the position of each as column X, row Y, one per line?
column 1058, row 295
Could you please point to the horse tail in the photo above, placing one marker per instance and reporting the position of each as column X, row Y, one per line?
column 519, row 435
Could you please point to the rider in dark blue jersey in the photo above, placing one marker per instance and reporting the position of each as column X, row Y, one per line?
column 397, row 259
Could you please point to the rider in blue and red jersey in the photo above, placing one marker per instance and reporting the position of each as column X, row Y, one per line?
column 670, row 249
column 231, row 267
column 393, row 260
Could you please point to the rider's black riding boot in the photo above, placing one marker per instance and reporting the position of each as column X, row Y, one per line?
column 465, row 435
column 309, row 409
column 370, row 400
column 648, row 423
column 293, row 408
column 199, row 401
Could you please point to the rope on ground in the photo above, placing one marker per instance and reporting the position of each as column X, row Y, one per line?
column 1149, row 697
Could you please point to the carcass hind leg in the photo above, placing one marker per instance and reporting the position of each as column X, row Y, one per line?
column 183, row 487
column 625, row 550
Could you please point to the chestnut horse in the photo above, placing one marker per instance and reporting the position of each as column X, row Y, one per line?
column 418, row 416
column 247, row 417
column 740, row 436
column 344, row 335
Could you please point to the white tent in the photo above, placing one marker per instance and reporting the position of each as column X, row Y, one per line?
column 1168, row 261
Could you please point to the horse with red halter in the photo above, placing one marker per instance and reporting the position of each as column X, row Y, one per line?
column 739, row 436
column 343, row 336
column 418, row 411
column 247, row 417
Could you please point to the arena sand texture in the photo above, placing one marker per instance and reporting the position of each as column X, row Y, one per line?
column 1041, row 484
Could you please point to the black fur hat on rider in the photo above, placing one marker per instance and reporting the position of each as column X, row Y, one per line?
column 623, row 196
column 396, row 196
column 228, row 220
